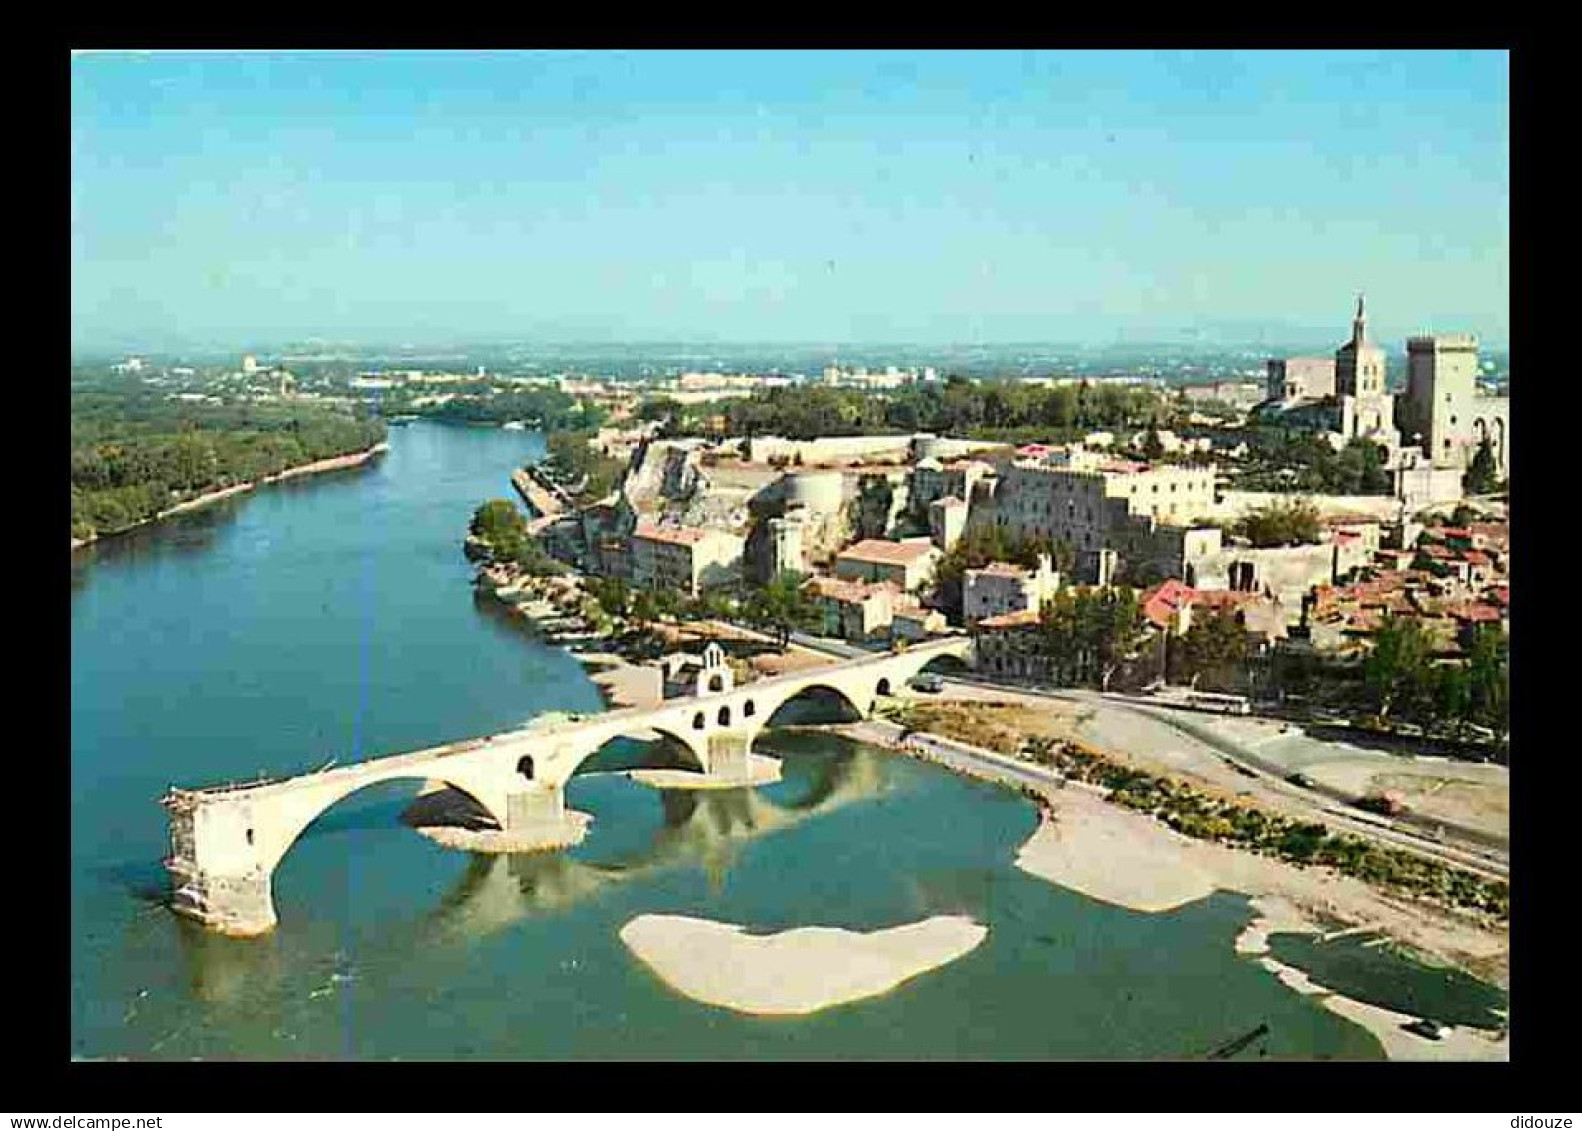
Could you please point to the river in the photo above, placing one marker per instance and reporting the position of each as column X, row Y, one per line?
column 331, row 618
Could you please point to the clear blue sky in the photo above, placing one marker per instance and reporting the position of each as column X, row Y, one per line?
column 795, row 196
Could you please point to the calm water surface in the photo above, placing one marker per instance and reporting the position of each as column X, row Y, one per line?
column 332, row 618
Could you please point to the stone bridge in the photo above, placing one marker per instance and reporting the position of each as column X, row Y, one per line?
column 227, row 840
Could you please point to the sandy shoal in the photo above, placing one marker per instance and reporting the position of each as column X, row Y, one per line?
column 794, row 972
column 1316, row 895
column 1114, row 856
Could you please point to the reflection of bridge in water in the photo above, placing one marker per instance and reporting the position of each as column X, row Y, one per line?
column 702, row 828
column 227, row 840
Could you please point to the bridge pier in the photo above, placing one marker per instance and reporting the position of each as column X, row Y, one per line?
column 241, row 905
column 536, row 819
column 728, row 751
column 234, row 895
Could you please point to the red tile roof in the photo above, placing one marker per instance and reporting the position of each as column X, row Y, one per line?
column 1223, row 598
column 1474, row 611
column 1023, row 618
column 1164, row 600
column 678, row 535
column 847, row 592
column 886, row 552
column 1496, row 531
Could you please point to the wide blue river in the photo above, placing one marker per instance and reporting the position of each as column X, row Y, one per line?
column 332, row 618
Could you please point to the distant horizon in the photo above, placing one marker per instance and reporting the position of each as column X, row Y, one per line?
column 1279, row 341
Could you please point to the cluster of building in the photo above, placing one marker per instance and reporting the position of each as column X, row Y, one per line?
column 865, row 520
column 1430, row 431
column 1237, row 394
column 890, row 377
column 1452, row 580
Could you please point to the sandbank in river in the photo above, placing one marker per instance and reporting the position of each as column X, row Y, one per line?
column 793, row 972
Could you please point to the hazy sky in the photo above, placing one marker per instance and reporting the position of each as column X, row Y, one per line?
column 840, row 196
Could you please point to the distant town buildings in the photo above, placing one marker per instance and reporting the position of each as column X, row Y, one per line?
column 1300, row 378
column 891, row 377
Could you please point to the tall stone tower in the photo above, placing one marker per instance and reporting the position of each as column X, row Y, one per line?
column 1359, row 364
column 1366, row 410
column 1441, row 387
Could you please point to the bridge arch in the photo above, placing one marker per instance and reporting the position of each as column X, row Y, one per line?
column 280, row 825
column 686, row 750
column 830, row 688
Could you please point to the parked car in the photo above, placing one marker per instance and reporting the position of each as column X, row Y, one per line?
column 929, row 682
column 1423, row 1027
column 1301, row 780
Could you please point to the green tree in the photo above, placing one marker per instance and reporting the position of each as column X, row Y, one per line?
column 1488, row 678
column 1153, row 446
column 1482, row 476
column 1215, row 645
column 613, row 595
column 781, row 607
column 668, row 604
column 644, row 609
column 1281, row 524
column 1450, row 688
column 1397, row 669
column 976, row 549
column 1085, row 634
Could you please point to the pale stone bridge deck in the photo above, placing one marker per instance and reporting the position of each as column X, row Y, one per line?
column 226, row 841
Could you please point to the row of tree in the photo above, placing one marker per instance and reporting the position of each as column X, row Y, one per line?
column 1285, row 460
column 136, row 455
column 1402, row 679
column 780, row 607
column 587, row 473
column 959, row 406
column 1086, row 634
column 482, row 402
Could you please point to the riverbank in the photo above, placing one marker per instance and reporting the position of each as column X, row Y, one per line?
column 1112, row 850
column 334, row 463
column 1458, row 1043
